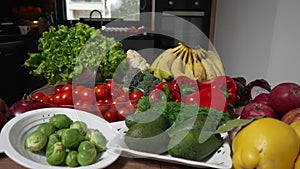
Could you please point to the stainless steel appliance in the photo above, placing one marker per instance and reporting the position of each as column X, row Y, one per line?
column 182, row 21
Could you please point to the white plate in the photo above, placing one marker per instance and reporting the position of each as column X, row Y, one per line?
column 220, row 159
column 14, row 132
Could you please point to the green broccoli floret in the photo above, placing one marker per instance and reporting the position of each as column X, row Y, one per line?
column 132, row 77
column 148, row 83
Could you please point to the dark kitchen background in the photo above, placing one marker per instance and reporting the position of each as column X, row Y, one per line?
column 14, row 47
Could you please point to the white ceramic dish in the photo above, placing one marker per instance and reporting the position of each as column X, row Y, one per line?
column 13, row 135
column 220, row 159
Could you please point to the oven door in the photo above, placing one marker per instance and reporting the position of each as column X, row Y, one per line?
column 187, row 21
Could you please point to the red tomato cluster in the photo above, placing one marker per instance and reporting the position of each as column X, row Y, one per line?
column 107, row 100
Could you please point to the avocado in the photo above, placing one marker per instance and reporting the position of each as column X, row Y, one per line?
column 147, row 117
column 185, row 144
column 147, row 137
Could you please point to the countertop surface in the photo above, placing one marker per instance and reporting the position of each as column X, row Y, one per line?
column 120, row 163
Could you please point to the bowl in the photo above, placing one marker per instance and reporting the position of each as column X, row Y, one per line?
column 15, row 131
column 112, row 109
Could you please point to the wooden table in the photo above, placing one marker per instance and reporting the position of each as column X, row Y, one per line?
column 121, row 163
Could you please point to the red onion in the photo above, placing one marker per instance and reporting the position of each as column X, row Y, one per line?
column 3, row 111
column 23, row 105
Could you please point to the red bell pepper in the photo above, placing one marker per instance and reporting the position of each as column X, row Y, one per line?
column 225, row 83
column 208, row 97
column 164, row 91
column 184, row 85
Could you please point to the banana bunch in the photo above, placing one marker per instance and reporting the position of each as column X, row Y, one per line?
column 196, row 63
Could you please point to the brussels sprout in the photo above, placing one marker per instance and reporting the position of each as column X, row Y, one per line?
column 71, row 138
column 71, row 159
column 81, row 126
column 47, row 128
column 52, row 139
column 61, row 121
column 60, row 133
column 55, row 154
column 86, row 153
column 36, row 141
column 97, row 138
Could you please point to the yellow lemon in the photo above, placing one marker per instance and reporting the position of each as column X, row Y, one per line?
column 296, row 126
column 265, row 143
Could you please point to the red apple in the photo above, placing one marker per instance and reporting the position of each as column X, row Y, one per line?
column 291, row 116
column 262, row 98
column 255, row 109
column 285, row 97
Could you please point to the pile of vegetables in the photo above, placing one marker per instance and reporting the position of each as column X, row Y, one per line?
column 134, row 78
column 78, row 52
column 66, row 142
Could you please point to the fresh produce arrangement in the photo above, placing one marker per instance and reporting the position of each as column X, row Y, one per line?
column 196, row 63
column 183, row 104
column 65, row 142
column 108, row 100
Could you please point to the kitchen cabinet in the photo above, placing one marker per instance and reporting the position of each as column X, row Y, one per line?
column 15, row 79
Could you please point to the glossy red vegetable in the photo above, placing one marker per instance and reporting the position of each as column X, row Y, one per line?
column 184, row 85
column 225, row 83
column 23, row 105
column 208, row 97
column 3, row 110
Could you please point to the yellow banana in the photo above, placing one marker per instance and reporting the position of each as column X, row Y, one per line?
column 198, row 69
column 189, row 64
column 177, row 48
column 213, row 64
column 177, row 66
column 154, row 64
column 209, row 69
column 216, row 59
column 157, row 74
column 165, row 64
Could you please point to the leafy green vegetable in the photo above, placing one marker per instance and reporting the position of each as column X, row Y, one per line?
column 143, row 104
column 148, row 83
column 70, row 52
column 231, row 124
column 178, row 112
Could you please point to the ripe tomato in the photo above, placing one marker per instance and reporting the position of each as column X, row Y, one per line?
column 38, row 95
column 56, row 98
column 57, row 88
column 44, row 99
column 135, row 95
column 66, row 97
column 85, row 105
column 86, row 94
column 110, row 115
column 111, row 84
column 116, row 92
column 51, row 97
column 66, row 87
column 77, row 90
column 101, row 91
column 103, row 106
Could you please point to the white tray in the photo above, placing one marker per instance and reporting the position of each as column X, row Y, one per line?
column 220, row 159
